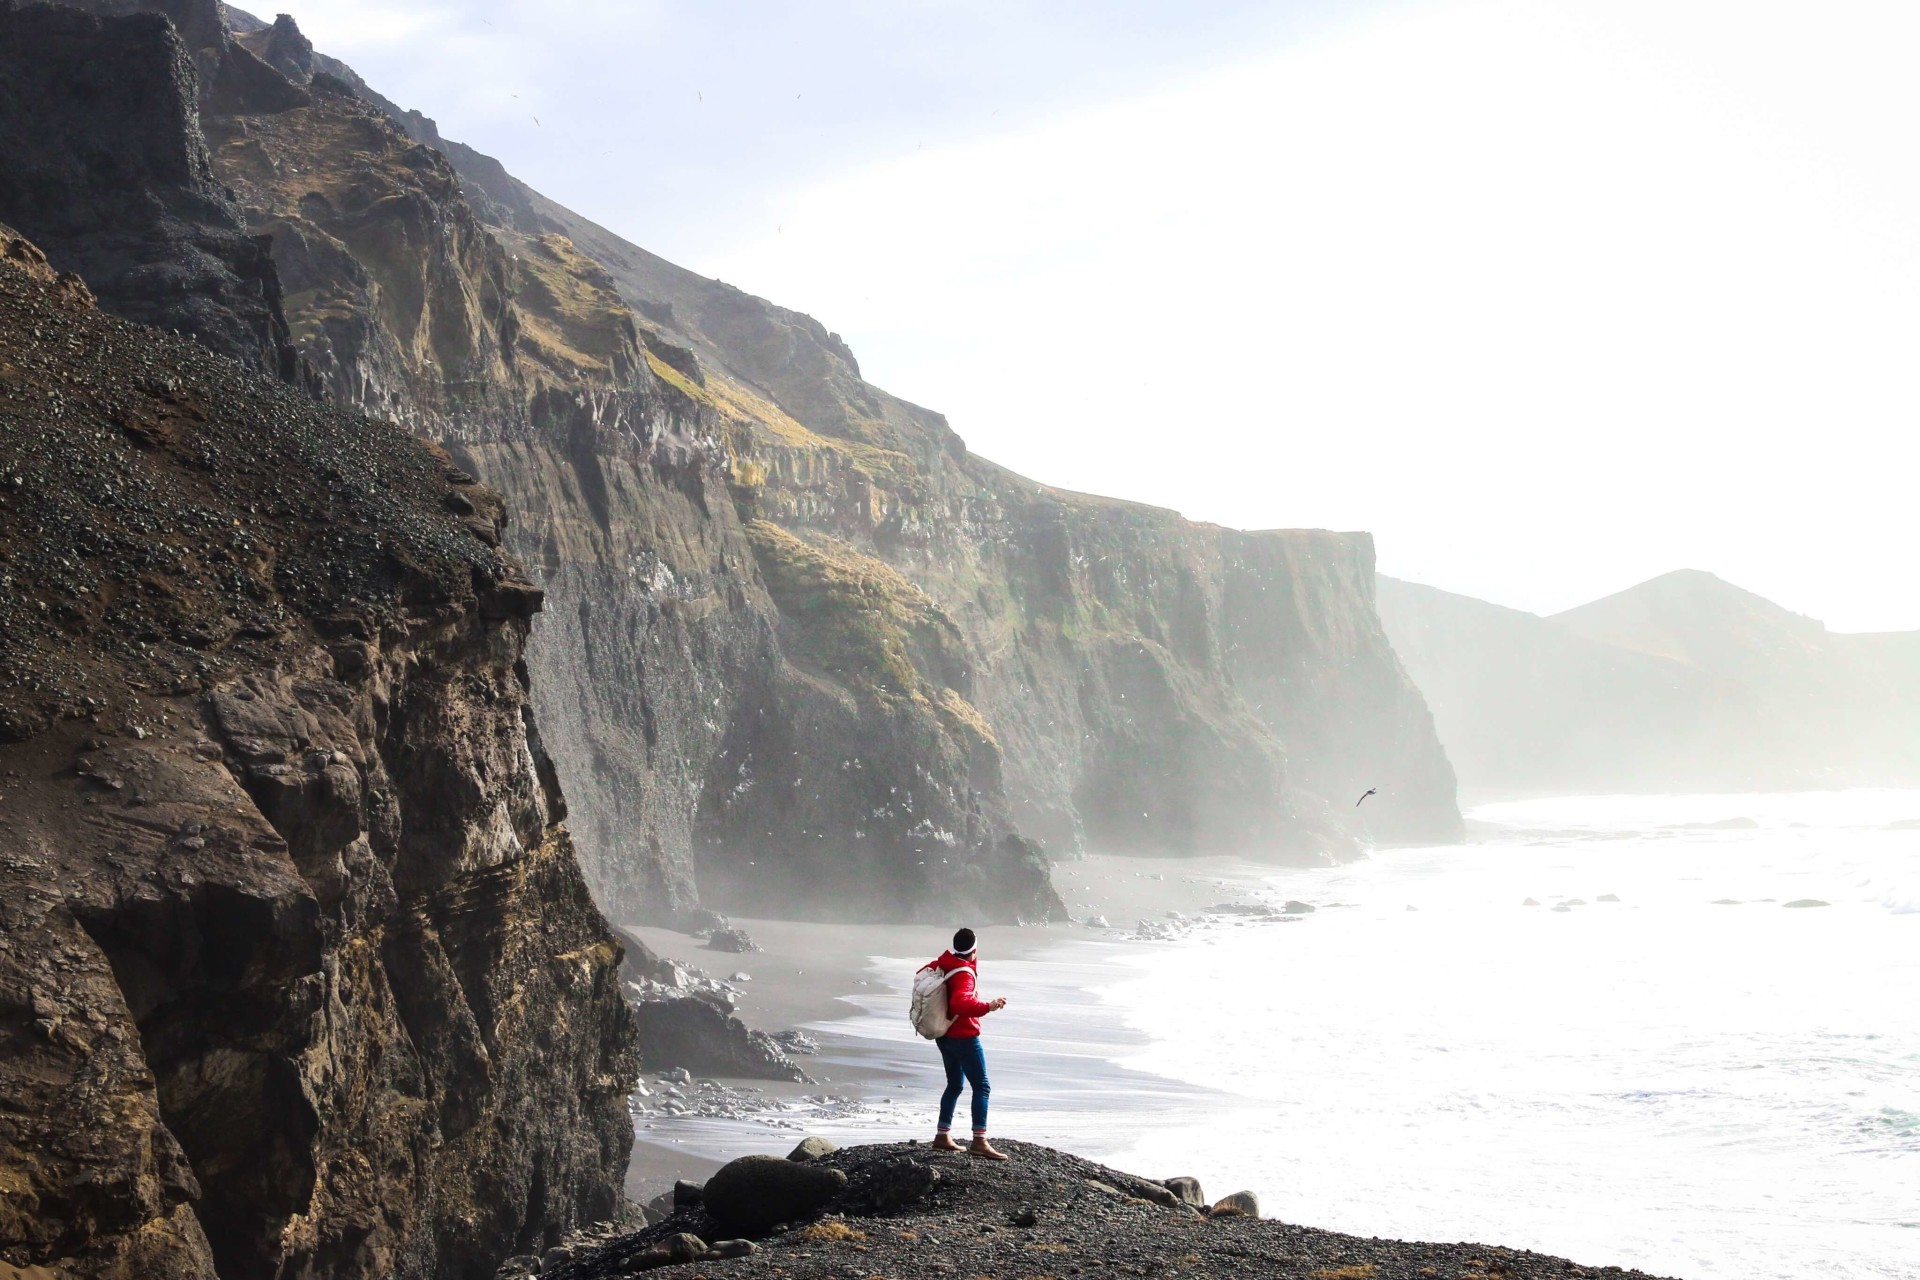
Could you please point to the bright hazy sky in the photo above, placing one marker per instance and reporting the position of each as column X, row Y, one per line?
column 1550, row 296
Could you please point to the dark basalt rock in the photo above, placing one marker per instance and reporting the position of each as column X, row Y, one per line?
column 900, row 1182
column 733, row 940
column 286, row 900
column 694, row 1033
column 1188, row 1189
column 1047, row 1212
column 102, row 164
column 1242, row 1204
column 755, row 1194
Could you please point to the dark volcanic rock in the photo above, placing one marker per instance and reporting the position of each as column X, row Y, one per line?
column 754, row 1194
column 102, row 165
column 1046, row 1213
column 898, row 1182
column 1241, row 1203
column 734, row 940
column 812, row 1149
column 1188, row 1189
column 696, row 1034
column 317, row 987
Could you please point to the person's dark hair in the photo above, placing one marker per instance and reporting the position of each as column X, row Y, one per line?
column 963, row 941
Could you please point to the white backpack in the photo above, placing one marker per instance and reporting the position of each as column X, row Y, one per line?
column 928, row 1013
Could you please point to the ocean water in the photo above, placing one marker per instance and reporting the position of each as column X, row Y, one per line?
column 1696, row 1080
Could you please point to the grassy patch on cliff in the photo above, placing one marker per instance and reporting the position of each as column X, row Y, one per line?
column 858, row 621
column 569, row 308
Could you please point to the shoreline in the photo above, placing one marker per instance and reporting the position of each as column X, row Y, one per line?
column 821, row 978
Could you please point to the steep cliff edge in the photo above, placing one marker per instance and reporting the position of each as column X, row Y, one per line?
column 298, row 973
column 1240, row 682
column 669, row 696
column 1277, row 698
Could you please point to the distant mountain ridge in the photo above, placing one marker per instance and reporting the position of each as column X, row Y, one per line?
column 1683, row 682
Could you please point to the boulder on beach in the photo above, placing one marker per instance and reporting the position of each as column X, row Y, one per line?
column 692, row 1030
column 686, row 1195
column 755, row 1194
column 1608, row 897
column 1241, row 1204
column 812, row 1149
column 1806, row 902
column 1188, row 1189
column 899, row 1182
column 1298, row 908
column 1531, row 902
column 731, row 940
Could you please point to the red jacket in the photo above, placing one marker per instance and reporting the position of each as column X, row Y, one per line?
column 966, row 1007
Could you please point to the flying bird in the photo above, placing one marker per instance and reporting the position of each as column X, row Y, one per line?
column 1370, row 791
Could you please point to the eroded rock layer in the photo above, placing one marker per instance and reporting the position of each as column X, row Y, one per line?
column 298, row 972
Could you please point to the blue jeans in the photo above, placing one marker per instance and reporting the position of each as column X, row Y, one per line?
column 965, row 1060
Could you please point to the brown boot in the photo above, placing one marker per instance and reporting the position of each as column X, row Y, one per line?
column 941, row 1142
column 984, row 1149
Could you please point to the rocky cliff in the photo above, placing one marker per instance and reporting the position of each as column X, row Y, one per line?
column 804, row 652
column 106, row 171
column 298, row 972
column 1684, row 682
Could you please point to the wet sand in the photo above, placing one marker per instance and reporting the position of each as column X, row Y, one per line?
column 812, row 975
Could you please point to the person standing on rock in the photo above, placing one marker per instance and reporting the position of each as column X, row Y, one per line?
column 960, row 1047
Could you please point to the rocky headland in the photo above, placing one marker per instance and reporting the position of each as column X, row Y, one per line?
column 903, row 1210
column 298, row 971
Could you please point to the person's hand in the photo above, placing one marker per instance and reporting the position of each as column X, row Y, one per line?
column 999, row 1004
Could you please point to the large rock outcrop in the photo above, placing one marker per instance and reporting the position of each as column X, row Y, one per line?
column 298, row 972
column 106, row 171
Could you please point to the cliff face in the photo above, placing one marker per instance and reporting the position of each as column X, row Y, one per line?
column 666, row 687
column 298, row 973
column 106, row 171
column 803, row 651
column 1682, row 683
column 1071, row 656
column 1238, row 682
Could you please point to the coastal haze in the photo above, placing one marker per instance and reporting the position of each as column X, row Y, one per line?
column 1362, row 546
